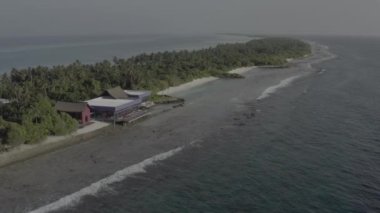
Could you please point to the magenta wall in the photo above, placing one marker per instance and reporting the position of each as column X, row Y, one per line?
column 86, row 115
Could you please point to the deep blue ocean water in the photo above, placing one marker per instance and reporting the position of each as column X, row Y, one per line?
column 314, row 147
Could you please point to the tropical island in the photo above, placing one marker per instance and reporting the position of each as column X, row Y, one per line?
column 29, row 114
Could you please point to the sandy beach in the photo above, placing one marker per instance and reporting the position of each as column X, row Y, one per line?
column 199, row 82
column 44, row 180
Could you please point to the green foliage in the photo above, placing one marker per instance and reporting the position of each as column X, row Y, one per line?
column 39, row 120
column 12, row 133
column 33, row 90
column 156, row 71
column 63, row 125
column 43, row 115
column 34, row 132
column 15, row 134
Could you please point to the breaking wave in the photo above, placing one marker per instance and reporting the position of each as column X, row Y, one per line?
column 284, row 83
column 103, row 184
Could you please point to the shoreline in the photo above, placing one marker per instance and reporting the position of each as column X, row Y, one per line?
column 200, row 81
column 53, row 176
column 51, row 143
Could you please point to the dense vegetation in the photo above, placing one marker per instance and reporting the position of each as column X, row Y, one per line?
column 38, row 120
column 31, row 116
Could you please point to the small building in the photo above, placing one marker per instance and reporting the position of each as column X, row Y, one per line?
column 108, row 107
column 117, row 104
column 119, row 93
column 79, row 111
column 143, row 95
column 115, row 93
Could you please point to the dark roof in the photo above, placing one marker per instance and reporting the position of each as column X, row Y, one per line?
column 116, row 93
column 70, row 107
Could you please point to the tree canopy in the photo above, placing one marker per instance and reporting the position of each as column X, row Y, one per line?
column 34, row 90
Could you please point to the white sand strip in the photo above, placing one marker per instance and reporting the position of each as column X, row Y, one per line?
column 242, row 70
column 199, row 81
column 186, row 86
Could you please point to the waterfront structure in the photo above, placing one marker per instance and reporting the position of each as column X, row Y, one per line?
column 115, row 93
column 79, row 111
column 117, row 104
column 143, row 95
column 106, row 107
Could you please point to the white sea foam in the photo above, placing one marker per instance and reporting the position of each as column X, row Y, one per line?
column 322, row 71
column 104, row 184
column 284, row 83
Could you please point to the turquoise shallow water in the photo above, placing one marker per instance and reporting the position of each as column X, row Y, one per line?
column 311, row 147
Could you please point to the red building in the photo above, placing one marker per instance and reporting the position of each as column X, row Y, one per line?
column 79, row 111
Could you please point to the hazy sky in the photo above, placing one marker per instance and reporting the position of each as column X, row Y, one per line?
column 57, row 17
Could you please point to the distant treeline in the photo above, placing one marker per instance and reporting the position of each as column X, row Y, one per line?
column 32, row 91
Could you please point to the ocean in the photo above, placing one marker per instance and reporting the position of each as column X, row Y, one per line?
column 313, row 146
column 24, row 52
